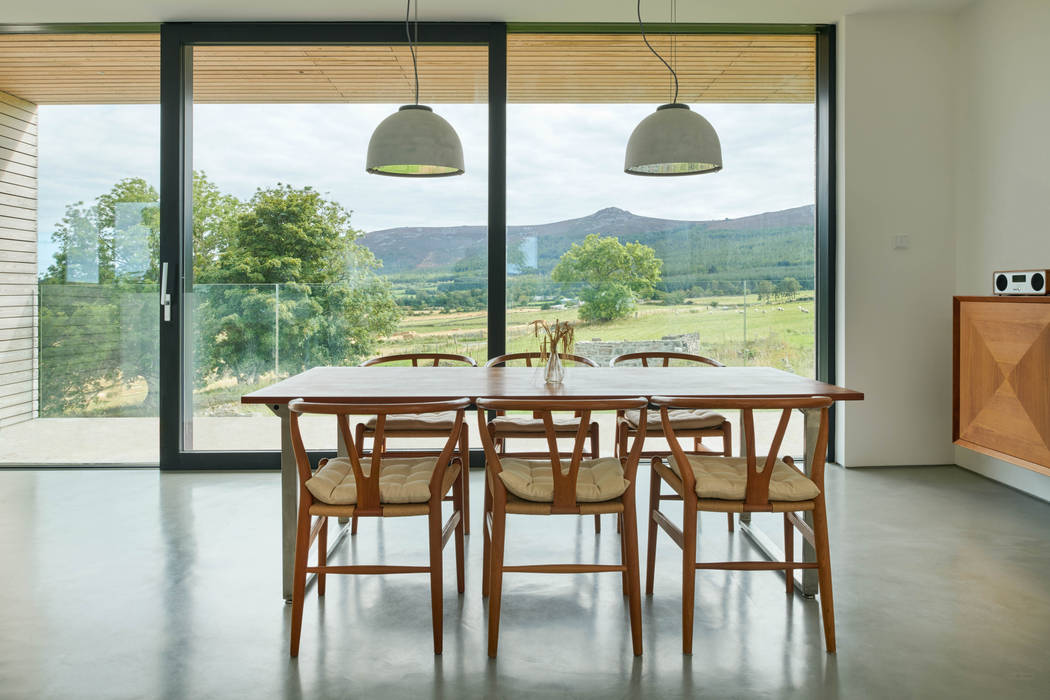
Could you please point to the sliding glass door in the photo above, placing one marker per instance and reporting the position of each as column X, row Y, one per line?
column 287, row 254
column 720, row 265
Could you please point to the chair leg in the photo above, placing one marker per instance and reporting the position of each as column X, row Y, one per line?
column 302, row 551
column 623, row 554
column 486, row 541
column 650, row 549
column 630, row 531
column 594, row 455
column 436, row 610
column 322, row 555
column 789, row 553
column 457, row 504
column 827, row 603
column 499, row 526
column 464, row 451
column 727, row 450
column 688, row 575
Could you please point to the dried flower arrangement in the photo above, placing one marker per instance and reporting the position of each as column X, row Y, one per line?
column 559, row 333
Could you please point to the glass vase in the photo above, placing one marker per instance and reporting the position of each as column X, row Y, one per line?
column 554, row 372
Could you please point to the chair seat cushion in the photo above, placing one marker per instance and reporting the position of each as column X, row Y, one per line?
column 528, row 424
column 681, row 418
column 533, row 479
column 725, row 478
column 442, row 420
column 401, row 480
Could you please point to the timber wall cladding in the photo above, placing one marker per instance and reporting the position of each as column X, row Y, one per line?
column 1002, row 378
column 18, row 260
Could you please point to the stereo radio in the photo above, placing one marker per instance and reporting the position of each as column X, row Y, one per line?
column 1020, row 281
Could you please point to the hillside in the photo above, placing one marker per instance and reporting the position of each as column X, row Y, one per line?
column 771, row 245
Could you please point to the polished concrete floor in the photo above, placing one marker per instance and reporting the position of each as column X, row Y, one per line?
column 136, row 584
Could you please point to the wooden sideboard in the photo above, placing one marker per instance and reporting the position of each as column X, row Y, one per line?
column 1001, row 378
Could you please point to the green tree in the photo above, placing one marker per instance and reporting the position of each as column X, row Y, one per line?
column 789, row 287
column 612, row 275
column 98, row 303
column 765, row 289
column 215, row 215
column 305, row 293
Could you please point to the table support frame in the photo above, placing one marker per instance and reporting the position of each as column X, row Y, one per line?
column 805, row 579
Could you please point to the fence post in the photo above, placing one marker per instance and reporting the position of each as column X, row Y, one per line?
column 276, row 330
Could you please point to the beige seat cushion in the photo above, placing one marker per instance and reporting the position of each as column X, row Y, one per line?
column 681, row 419
column 401, row 480
column 533, row 479
column 442, row 420
column 725, row 478
column 528, row 424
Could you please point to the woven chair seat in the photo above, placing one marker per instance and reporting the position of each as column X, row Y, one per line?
column 533, row 479
column 441, row 421
column 725, row 478
column 681, row 419
column 401, row 480
column 528, row 424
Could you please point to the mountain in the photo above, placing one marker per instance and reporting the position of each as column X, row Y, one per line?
column 770, row 245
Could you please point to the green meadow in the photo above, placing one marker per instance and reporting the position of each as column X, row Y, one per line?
column 732, row 329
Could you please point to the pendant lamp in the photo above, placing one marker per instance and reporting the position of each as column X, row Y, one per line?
column 414, row 141
column 674, row 140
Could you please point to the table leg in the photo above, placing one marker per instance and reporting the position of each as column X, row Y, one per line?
column 289, row 500
column 809, row 553
column 806, row 584
column 290, row 504
column 745, row 518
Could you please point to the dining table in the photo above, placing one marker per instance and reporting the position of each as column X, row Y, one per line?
column 394, row 384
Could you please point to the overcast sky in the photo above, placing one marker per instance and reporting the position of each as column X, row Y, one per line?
column 563, row 161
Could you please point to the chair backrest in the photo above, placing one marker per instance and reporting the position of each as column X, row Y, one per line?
column 658, row 358
column 424, row 359
column 757, row 491
column 368, row 484
column 564, row 478
column 528, row 357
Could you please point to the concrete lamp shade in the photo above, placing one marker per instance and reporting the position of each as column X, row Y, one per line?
column 414, row 142
column 673, row 140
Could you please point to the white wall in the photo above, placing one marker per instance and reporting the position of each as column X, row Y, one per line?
column 1002, row 210
column 896, row 150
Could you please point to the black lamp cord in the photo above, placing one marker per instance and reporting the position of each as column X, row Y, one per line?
column 641, row 27
column 412, row 48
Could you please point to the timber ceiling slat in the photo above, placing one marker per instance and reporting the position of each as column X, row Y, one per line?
column 552, row 68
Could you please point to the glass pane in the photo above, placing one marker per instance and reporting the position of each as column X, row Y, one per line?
column 79, row 226
column 301, row 258
column 719, row 265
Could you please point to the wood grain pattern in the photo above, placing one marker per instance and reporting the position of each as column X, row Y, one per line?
column 1001, row 372
column 756, row 499
column 573, row 68
column 443, row 383
column 18, row 256
column 563, row 501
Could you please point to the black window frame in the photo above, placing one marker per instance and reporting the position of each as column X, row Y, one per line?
column 176, row 170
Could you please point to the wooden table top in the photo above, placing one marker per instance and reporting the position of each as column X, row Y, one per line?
column 413, row 384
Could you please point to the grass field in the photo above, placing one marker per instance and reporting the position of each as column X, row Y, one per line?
column 777, row 334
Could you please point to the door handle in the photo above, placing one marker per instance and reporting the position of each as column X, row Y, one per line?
column 165, row 296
